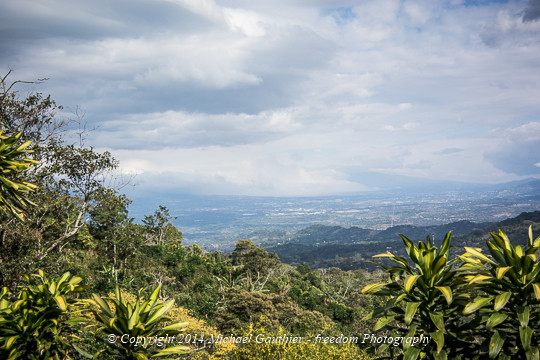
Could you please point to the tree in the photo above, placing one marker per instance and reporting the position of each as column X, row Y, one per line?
column 68, row 180
column 113, row 231
column 160, row 229
column 258, row 264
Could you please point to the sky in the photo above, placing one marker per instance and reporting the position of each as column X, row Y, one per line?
column 291, row 97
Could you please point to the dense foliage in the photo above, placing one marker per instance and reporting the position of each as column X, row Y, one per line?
column 478, row 308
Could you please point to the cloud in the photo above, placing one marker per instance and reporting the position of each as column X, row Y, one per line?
column 291, row 96
column 532, row 11
column 448, row 151
column 178, row 129
column 513, row 27
column 517, row 152
column 246, row 170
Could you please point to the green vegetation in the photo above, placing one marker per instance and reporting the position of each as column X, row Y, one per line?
column 140, row 319
column 61, row 215
column 510, row 280
column 13, row 197
column 35, row 324
column 476, row 308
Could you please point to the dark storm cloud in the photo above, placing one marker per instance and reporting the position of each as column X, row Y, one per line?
column 532, row 11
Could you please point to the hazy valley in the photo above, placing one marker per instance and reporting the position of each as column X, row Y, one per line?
column 217, row 222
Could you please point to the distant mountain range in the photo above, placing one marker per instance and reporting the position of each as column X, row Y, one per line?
column 352, row 248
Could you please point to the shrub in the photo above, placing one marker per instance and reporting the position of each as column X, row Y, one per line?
column 510, row 305
column 35, row 324
column 486, row 307
column 140, row 319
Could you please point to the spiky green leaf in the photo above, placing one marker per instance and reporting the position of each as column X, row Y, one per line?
column 383, row 321
column 175, row 350
column 409, row 282
column 523, row 313
column 477, row 253
column 525, row 335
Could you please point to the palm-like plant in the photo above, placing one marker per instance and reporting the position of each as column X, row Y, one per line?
column 424, row 298
column 13, row 193
column 510, row 307
column 143, row 319
column 35, row 325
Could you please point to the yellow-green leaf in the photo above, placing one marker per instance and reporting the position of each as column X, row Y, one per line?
column 494, row 320
column 409, row 282
column 480, row 278
column 156, row 316
column 438, row 320
column 175, row 326
column 382, row 321
column 476, row 304
column 438, row 337
column 10, row 341
column 525, row 335
column 499, row 273
column 411, row 353
column 61, row 301
column 478, row 254
column 139, row 356
column 410, row 310
column 523, row 313
column 501, row 300
column 172, row 350
column 495, row 345
column 387, row 254
column 447, row 292
column 536, row 289
column 372, row 287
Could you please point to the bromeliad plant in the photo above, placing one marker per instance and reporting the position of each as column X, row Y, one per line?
column 510, row 306
column 425, row 297
column 142, row 319
column 35, row 324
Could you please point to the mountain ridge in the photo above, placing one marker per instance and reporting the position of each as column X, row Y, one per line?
column 357, row 252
